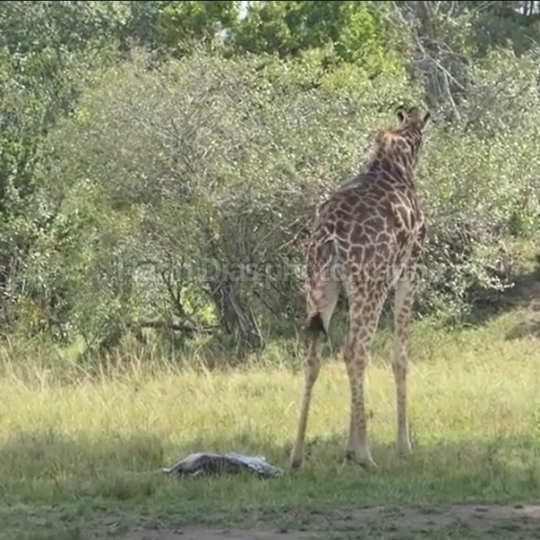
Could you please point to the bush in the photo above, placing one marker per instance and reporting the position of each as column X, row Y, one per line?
column 206, row 161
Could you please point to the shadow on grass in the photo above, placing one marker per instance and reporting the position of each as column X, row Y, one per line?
column 49, row 468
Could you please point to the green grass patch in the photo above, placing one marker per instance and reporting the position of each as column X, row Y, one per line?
column 73, row 451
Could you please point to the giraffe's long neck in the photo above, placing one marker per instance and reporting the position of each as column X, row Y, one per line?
column 397, row 157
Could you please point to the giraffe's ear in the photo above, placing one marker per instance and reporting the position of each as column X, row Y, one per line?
column 401, row 115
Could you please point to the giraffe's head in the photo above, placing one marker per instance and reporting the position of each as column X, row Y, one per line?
column 403, row 142
column 412, row 118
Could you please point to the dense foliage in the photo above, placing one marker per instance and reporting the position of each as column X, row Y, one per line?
column 160, row 161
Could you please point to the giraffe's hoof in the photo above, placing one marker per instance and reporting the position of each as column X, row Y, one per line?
column 296, row 462
column 365, row 462
column 404, row 449
column 368, row 464
column 295, row 465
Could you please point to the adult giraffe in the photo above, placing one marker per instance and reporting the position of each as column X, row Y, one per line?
column 368, row 236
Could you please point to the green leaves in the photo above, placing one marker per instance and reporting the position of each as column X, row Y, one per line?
column 355, row 31
column 113, row 155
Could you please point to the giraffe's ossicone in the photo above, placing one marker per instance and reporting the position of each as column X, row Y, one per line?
column 368, row 238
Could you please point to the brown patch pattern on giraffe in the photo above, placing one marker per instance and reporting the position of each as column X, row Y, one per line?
column 367, row 237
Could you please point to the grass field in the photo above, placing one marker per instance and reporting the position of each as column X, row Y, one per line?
column 78, row 456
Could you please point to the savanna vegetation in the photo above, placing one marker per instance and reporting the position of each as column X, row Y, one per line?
column 159, row 166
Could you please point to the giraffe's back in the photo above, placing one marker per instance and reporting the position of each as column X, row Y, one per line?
column 368, row 223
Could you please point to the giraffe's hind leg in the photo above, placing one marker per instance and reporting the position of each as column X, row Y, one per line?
column 322, row 300
column 403, row 306
column 365, row 305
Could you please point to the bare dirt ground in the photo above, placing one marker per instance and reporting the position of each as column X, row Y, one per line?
column 519, row 522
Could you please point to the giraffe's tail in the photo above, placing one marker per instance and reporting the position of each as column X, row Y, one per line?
column 323, row 291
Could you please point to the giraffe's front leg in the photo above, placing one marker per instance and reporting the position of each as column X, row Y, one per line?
column 402, row 323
